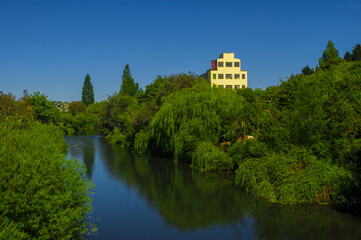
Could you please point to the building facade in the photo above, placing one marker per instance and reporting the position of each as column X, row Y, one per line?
column 226, row 72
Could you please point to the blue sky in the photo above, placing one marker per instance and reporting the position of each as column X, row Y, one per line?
column 49, row 46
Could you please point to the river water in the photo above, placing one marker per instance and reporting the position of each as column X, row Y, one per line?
column 139, row 197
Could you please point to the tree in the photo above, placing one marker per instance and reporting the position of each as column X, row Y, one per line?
column 128, row 86
column 87, row 95
column 307, row 70
column 356, row 52
column 330, row 53
column 348, row 57
column 45, row 111
column 77, row 107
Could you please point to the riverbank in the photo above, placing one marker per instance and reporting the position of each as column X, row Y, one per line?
column 138, row 196
column 42, row 195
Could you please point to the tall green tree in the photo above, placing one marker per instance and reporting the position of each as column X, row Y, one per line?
column 128, row 85
column 87, row 95
column 330, row 53
column 356, row 53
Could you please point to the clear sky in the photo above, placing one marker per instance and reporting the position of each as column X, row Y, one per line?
column 49, row 46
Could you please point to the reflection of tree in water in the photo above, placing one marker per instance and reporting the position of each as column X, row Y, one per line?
column 191, row 200
column 82, row 148
column 276, row 221
column 186, row 199
column 88, row 157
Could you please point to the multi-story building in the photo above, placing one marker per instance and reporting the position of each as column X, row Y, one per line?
column 226, row 72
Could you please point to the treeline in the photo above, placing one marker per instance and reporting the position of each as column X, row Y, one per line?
column 292, row 143
column 42, row 194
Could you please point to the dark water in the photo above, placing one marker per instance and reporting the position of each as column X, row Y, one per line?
column 138, row 197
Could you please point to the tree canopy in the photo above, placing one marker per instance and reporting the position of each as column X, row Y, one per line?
column 128, row 85
column 330, row 53
column 307, row 70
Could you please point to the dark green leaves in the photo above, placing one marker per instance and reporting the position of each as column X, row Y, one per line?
column 87, row 95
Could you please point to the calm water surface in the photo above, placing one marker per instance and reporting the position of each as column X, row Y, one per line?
column 138, row 197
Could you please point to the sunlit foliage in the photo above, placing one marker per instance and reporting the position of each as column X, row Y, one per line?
column 42, row 195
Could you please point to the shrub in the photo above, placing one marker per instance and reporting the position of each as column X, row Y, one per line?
column 10, row 108
column 42, row 195
column 141, row 142
column 45, row 111
column 77, row 107
column 117, row 137
column 291, row 178
column 207, row 157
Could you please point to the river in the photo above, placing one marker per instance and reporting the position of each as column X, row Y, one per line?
column 139, row 197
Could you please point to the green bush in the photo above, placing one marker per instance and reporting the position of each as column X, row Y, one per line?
column 66, row 123
column 207, row 157
column 45, row 111
column 291, row 178
column 42, row 195
column 77, row 107
column 141, row 142
column 117, row 137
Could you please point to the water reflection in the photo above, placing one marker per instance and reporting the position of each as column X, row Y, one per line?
column 82, row 148
column 186, row 199
column 189, row 200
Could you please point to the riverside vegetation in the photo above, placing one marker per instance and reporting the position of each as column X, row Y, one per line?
column 305, row 145
column 42, row 194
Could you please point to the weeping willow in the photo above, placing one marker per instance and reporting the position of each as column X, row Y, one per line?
column 193, row 115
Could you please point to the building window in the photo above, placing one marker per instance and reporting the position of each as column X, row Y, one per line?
column 236, row 86
column 214, row 76
column 229, row 86
column 236, row 76
column 243, row 86
column 236, row 64
column 220, row 76
column 228, row 76
column 220, row 64
column 243, row 76
column 220, row 86
column 228, row 64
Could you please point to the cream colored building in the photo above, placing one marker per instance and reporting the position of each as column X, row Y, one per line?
column 226, row 72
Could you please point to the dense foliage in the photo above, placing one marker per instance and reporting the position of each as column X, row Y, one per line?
column 83, row 120
column 42, row 195
column 296, row 142
column 128, row 85
column 45, row 111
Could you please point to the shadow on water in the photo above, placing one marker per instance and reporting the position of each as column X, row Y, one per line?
column 190, row 200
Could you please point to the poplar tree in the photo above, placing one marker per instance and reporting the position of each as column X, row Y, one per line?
column 87, row 95
column 128, row 85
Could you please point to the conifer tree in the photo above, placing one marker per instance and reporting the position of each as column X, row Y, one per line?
column 347, row 57
column 128, row 86
column 307, row 70
column 330, row 53
column 87, row 95
column 356, row 52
